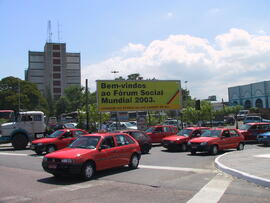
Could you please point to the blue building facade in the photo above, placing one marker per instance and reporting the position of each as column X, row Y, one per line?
column 251, row 95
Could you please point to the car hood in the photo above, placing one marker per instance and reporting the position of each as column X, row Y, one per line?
column 203, row 139
column 45, row 140
column 175, row 138
column 69, row 153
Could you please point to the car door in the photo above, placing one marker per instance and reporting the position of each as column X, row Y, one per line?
column 225, row 140
column 65, row 139
column 124, row 149
column 157, row 134
column 235, row 138
column 107, row 155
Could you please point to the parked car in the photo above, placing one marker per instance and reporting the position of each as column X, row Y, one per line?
column 176, row 123
column 216, row 139
column 93, row 152
column 141, row 137
column 158, row 132
column 55, row 141
column 180, row 140
column 254, row 119
column 242, row 114
column 250, row 131
column 121, row 126
column 264, row 139
column 229, row 120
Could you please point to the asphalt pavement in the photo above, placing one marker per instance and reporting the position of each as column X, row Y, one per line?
column 250, row 164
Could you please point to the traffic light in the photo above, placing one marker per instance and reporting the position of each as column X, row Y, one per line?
column 198, row 104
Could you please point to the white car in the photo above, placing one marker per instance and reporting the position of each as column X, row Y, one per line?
column 122, row 126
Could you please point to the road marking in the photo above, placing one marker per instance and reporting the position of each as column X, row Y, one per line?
column 213, row 190
column 263, row 156
column 13, row 154
column 195, row 170
column 15, row 199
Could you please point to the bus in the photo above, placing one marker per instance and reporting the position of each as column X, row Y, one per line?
column 7, row 115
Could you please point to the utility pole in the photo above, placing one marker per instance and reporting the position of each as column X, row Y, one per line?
column 87, row 104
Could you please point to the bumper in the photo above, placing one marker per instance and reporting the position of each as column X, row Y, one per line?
column 38, row 148
column 263, row 140
column 61, row 168
column 199, row 148
column 170, row 145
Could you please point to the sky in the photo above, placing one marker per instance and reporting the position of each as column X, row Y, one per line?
column 210, row 44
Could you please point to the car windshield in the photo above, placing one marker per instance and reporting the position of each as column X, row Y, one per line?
column 128, row 124
column 85, row 142
column 151, row 129
column 55, row 134
column 184, row 132
column 211, row 133
column 245, row 127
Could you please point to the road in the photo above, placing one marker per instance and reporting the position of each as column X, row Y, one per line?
column 162, row 176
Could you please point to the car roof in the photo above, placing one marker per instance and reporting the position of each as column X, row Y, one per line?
column 164, row 126
column 197, row 128
column 103, row 134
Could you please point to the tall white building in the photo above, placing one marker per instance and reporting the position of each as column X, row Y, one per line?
column 54, row 69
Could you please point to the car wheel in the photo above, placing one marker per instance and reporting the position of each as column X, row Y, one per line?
column 50, row 149
column 183, row 147
column 193, row 152
column 57, row 175
column 19, row 141
column 88, row 171
column 240, row 146
column 145, row 149
column 266, row 144
column 38, row 152
column 134, row 161
column 214, row 150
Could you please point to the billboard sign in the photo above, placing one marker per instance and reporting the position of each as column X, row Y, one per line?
column 124, row 95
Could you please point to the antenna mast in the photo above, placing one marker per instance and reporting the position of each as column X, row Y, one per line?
column 49, row 32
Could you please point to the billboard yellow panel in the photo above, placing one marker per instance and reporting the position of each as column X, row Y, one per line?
column 124, row 95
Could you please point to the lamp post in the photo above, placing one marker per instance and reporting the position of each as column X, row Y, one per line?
column 114, row 72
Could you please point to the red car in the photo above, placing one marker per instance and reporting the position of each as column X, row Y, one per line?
column 55, row 141
column 251, row 130
column 214, row 140
column 180, row 140
column 93, row 152
column 158, row 132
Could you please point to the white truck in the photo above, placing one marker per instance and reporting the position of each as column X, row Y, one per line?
column 28, row 126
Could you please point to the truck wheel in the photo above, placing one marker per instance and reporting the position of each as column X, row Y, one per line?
column 19, row 141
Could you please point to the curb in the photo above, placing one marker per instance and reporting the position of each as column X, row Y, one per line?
column 240, row 174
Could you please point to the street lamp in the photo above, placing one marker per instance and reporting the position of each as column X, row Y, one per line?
column 114, row 72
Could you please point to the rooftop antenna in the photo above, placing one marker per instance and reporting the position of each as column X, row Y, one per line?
column 58, row 32
column 49, row 32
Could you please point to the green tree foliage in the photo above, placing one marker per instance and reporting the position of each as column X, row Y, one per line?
column 62, row 105
column 14, row 91
column 74, row 95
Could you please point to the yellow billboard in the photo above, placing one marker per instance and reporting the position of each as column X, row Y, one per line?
column 125, row 95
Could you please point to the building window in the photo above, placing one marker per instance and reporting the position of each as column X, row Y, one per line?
column 247, row 104
column 56, row 61
column 56, row 54
column 56, row 68
column 56, row 90
column 56, row 47
column 259, row 103
column 56, row 75
column 56, row 83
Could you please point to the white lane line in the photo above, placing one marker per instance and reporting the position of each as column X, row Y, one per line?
column 263, row 156
column 13, row 154
column 195, row 170
column 213, row 190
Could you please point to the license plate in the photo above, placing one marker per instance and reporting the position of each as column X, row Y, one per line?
column 52, row 166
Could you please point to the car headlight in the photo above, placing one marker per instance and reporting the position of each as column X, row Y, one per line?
column 45, row 158
column 204, row 143
column 67, row 161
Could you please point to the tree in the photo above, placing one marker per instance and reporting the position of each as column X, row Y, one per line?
column 18, row 94
column 74, row 95
column 62, row 106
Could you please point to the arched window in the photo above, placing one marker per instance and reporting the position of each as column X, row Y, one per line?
column 259, row 103
column 247, row 104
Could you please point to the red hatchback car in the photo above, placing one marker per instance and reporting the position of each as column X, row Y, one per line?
column 93, row 152
column 250, row 131
column 158, row 132
column 180, row 140
column 55, row 141
column 216, row 139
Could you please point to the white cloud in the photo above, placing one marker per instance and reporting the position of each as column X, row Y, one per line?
column 169, row 14
column 236, row 57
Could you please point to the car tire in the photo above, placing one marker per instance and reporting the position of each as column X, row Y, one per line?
column 19, row 141
column 38, row 152
column 57, row 175
column 50, row 148
column 183, row 147
column 134, row 161
column 88, row 171
column 266, row 144
column 193, row 152
column 145, row 149
column 213, row 150
column 240, row 146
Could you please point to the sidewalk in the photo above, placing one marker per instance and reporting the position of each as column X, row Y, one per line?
column 252, row 165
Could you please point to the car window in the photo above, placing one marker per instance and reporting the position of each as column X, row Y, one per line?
column 122, row 140
column 266, row 127
column 158, row 129
column 77, row 133
column 67, row 134
column 137, row 135
column 233, row 133
column 254, row 127
column 167, row 129
column 86, row 142
column 226, row 133
column 108, row 142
